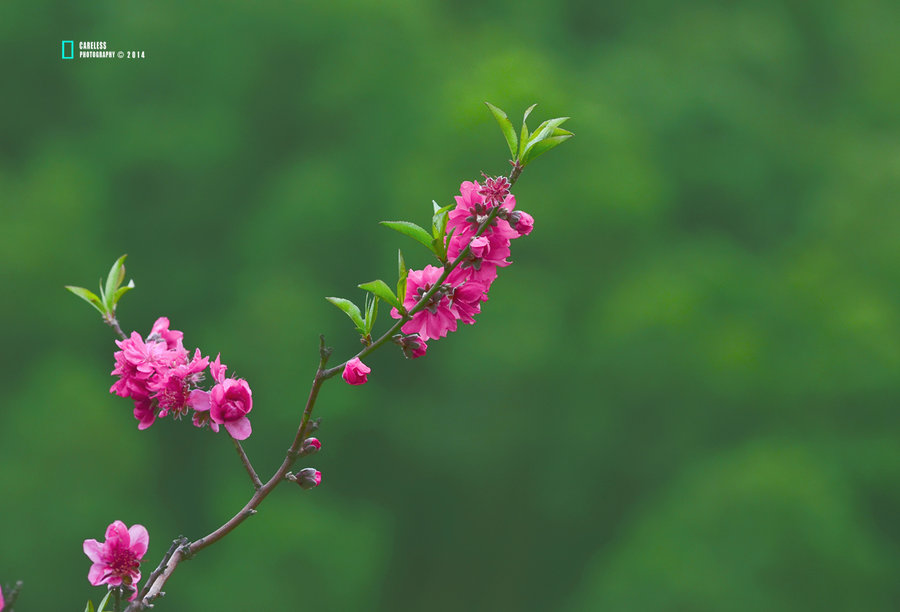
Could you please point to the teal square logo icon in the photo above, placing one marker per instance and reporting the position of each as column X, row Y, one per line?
column 71, row 45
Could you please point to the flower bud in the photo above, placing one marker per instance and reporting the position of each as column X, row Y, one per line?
column 310, row 446
column 522, row 222
column 480, row 247
column 309, row 478
column 412, row 346
column 355, row 372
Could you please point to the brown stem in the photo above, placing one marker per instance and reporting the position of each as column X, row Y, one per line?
column 154, row 589
column 13, row 595
column 111, row 320
column 406, row 316
column 257, row 483
column 176, row 544
column 158, row 579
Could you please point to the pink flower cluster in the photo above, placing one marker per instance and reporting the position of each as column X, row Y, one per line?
column 460, row 295
column 117, row 561
column 160, row 376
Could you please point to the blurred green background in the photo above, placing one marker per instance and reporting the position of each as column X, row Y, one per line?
column 682, row 396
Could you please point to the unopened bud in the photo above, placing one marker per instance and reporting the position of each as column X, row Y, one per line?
column 309, row 478
column 310, row 446
column 522, row 222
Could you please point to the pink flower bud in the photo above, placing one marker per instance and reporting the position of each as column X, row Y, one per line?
column 480, row 247
column 522, row 222
column 310, row 446
column 413, row 346
column 355, row 371
column 309, row 478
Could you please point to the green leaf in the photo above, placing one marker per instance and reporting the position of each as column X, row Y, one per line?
column 89, row 297
column 102, row 606
column 543, row 146
column 439, row 219
column 114, row 281
column 120, row 292
column 351, row 310
column 371, row 312
column 89, row 607
column 546, row 129
column 381, row 289
column 410, row 229
column 506, row 127
column 523, row 141
column 402, row 271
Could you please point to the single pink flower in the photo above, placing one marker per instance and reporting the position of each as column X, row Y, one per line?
column 117, row 561
column 466, row 295
column 486, row 253
column 228, row 404
column 136, row 363
column 436, row 319
column 160, row 331
column 471, row 211
column 172, row 386
column 494, row 190
column 355, row 372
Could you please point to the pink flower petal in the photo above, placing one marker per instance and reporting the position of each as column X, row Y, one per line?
column 93, row 549
column 240, row 429
column 139, row 539
column 199, row 400
column 95, row 574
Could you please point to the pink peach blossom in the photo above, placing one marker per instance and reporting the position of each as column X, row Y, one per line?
column 160, row 330
column 228, row 404
column 486, row 253
column 436, row 319
column 117, row 561
column 172, row 387
column 471, row 211
column 155, row 373
column 356, row 372
column 494, row 190
column 466, row 295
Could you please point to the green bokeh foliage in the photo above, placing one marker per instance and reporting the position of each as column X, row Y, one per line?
column 682, row 396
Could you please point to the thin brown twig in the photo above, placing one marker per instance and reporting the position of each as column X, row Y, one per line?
column 257, row 483
column 153, row 588
column 181, row 541
column 114, row 323
column 13, row 595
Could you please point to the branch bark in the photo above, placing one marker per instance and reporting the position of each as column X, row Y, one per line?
column 157, row 580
